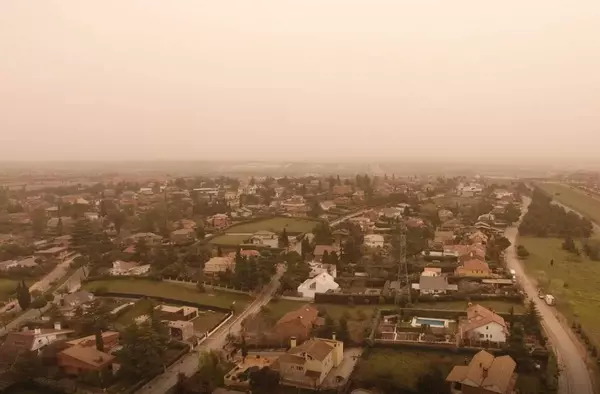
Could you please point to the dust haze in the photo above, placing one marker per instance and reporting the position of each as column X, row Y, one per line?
column 320, row 80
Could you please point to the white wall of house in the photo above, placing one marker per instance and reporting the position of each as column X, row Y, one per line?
column 321, row 283
column 493, row 332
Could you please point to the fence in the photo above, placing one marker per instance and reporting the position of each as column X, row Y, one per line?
column 206, row 285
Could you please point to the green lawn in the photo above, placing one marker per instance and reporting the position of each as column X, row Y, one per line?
column 574, row 198
column 140, row 308
column 276, row 225
column 401, row 368
column 573, row 280
column 498, row 306
column 163, row 289
column 228, row 240
column 7, row 287
column 207, row 320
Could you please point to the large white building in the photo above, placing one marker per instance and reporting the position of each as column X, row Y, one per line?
column 321, row 283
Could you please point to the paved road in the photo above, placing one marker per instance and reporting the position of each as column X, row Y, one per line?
column 34, row 313
column 574, row 377
column 45, row 283
column 189, row 363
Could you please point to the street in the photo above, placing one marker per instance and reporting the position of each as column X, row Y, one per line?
column 188, row 364
column 45, row 283
column 574, row 376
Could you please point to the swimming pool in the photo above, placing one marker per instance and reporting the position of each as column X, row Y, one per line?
column 419, row 321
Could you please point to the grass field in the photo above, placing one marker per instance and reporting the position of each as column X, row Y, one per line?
column 170, row 290
column 574, row 198
column 207, row 320
column 7, row 287
column 228, row 240
column 573, row 280
column 276, row 225
column 498, row 306
column 402, row 368
column 140, row 308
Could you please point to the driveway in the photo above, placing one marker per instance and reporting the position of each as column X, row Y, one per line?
column 188, row 364
column 344, row 370
column 574, row 376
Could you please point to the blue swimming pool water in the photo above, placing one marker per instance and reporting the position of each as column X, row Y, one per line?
column 430, row 322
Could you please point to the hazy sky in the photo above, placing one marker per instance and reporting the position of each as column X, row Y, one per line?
column 303, row 79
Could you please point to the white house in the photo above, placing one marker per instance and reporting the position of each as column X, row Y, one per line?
column 317, row 268
column 374, row 240
column 128, row 268
column 266, row 238
column 321, row 283
column 483, row 324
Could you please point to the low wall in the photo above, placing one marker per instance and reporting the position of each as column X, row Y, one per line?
column 164, row 300
column 365, row 299
column 206, row 285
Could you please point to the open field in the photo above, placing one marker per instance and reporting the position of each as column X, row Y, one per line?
column 207, row 320
column 141, row 307
column 574, row 198
column 228, row 240
column 276, row 225
column 386, row 368
column 7, row 287
column 573, row 280
column 169, row 290
column 280, row 307
column 498, row 306
column 391, row 367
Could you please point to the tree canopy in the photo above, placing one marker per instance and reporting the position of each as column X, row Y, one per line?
column 545, row 219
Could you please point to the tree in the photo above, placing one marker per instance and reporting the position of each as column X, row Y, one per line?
column 39, row 303
column 433, row 382
column 143, row 352
column 99, row 340
column 23, row 296
column 305, row 248
column 211, row 372
column 343, row 333
column 569, row 245
column 142, row 250
column 244, row 348
column 323, row 234
column 118, row 218
column 265, row 380
column 284, row 241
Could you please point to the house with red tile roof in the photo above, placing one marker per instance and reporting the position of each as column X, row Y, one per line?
column 482, row 324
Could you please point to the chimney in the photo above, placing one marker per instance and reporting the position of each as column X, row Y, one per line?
column 292, row 342
column 333, row 335
column 57, row 326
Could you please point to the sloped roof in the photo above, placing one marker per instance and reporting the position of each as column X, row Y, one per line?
column 317, row 348
column 89, row 355
column 306, row 315
column 478, row 316
column 486, row 372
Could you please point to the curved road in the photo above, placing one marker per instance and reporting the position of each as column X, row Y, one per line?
column 188, row 364
column 574, row 376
